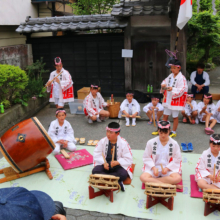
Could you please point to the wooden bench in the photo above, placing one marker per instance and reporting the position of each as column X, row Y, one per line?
column 214, row 96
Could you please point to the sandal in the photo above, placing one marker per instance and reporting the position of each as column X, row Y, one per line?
column 193, row 121
column 209, row 131
column 150, row 122
column 82, row 140
column 95, row 142
column 184, row 120
column 77, row 139
column 190, row 147
column 90, row 142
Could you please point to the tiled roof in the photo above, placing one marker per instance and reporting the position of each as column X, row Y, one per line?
column 141, row 7
column 70, row 23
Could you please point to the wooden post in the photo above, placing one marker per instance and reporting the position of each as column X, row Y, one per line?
column 182, row 40
column 128, row 61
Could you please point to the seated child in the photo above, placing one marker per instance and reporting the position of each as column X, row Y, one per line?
column 217, row 112
column 129, row 107
column 205, row 166
column 121, row 166
column 191, row 110
column 61, row 132
column 93, row 105
column 206, row 111
column 155, row 106
column 162, row 150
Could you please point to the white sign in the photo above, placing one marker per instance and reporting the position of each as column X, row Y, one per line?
column 127, row 53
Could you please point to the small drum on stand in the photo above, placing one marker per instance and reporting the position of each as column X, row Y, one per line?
column 160, row 192
column 105, row 183
column 25, row 146
column 211, row 197
column 114, row 108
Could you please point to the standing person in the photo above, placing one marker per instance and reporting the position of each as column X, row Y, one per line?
column 162, row 151
column 61, row 88
column 155, row 106
column 113, row 145
column 217, row 112
column 206, row 112
column 94, row 105
column 61, row 132
column 200, row 80
column 175, row 88
column 191, row 110
column 130, row 108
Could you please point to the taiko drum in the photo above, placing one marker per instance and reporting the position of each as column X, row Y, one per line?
column 26, row 144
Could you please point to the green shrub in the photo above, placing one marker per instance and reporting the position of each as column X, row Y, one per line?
column 13, row 81
column 6, row 104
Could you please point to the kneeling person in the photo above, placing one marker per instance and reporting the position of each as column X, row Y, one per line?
column 165, row 151
column 121, row 164
column 205, row 176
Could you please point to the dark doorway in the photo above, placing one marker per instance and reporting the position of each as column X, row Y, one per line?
column 86, row 57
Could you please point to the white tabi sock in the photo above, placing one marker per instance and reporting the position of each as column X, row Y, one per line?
column 133, row 121
column 127, row 121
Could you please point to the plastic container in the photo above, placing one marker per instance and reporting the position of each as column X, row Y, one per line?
column 76, row 107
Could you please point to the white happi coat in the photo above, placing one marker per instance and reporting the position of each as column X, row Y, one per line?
column 149, row 105
column 175, row 99
column 205, row 166
column 189, row 110
column 89, row 104
column 124, row 154
column 174, row 157
column 56, row 132
column 66, row 87
column 210, row 109
column 217, row 113
column 125, row 104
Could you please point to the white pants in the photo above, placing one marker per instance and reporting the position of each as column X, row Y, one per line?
column 57, row 102
column 131, row 111
column 208, row 180
column 70, row 146
column 174, row 113
column 159, row 173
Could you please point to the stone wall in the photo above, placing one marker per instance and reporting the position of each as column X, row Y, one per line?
column 19, row 113
column 17, row 55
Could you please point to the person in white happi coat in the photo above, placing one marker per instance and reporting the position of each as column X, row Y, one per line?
column 162, row 152
column 61, row 88
column 155, row 106
column 217, row 112
column 175, row 90
column 61, row 132
column 208, row 167
column 191, row 110
column 113, row 145
column 130, row 108
column 94, row 105
column 206, row 112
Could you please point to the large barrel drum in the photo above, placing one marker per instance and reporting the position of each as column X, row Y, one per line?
column 26, row 144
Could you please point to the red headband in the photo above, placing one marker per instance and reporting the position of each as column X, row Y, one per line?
column 129, row 93
column 58, row 111
column 190, row 95
column 155, row 98
column 163, row 127
column 56, row 62
column 113, row 129
column 174, row 65
column 215, row 141
column 94, row 86
column 207, row 97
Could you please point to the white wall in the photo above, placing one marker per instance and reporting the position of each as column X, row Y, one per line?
column 13, row 12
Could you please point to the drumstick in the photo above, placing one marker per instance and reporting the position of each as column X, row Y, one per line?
column 104, row 158
column 214, row 173
column 130, row 116
column 154, row 118
column 53, row 79
column 113, row 153
column 65, row 154
column 161, row 167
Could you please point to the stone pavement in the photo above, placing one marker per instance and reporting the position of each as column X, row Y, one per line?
column 136, row 137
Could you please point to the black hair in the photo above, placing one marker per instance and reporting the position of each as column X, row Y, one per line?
column 129, row 91
column 164, row 130
column 114, row 125
column 175, row 62
column 57, row 60
column 216, row 137
column 200, row 65
column 60, row 109
column 95, row 83
column 210, row 99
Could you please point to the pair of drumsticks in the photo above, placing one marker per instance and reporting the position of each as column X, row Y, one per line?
column 113, row 155
column 214, row 173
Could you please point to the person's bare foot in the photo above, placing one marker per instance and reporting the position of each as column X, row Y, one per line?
column 179, row 186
